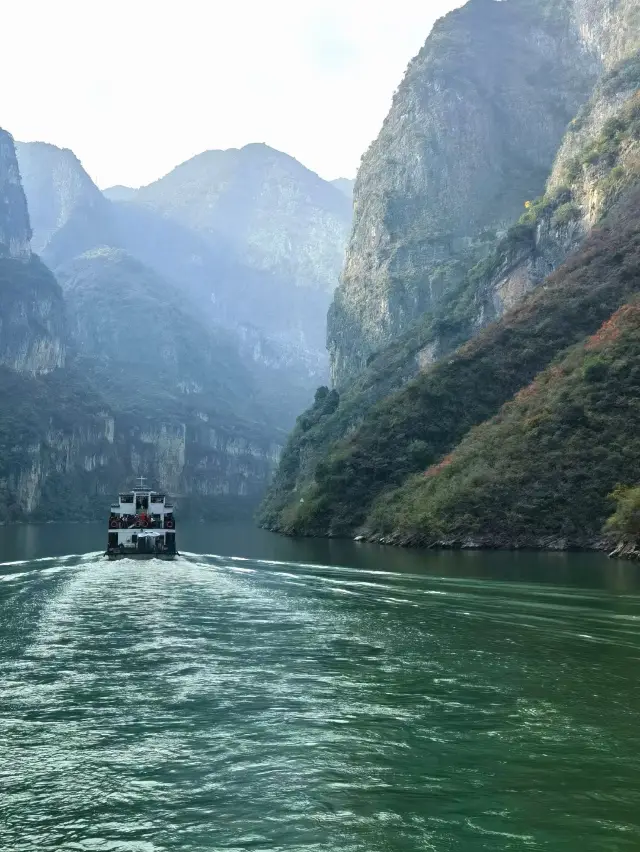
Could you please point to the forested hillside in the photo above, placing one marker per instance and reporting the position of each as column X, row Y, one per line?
column 539, row 474
column 413, row 428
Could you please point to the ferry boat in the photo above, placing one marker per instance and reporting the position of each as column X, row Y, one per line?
column 141, row 525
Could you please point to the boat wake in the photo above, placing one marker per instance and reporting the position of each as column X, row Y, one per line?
column 219, row 702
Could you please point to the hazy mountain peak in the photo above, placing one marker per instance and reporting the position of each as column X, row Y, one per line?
column 119, row 193
column 56, row 178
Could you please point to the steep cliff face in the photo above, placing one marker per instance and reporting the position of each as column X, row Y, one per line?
column 31, row 309
column 471, row 135
column 67, row 443
column 32, row 325
column 598, row 161
column 15, row 229
column 67, row 209
column 611, row 28
column 416, row 428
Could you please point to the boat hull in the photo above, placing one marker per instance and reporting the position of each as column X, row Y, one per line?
column 165, row 557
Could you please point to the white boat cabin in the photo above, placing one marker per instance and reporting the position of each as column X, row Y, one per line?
column 141, row 520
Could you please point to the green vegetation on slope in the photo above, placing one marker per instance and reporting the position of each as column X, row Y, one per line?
column 625, row 521
column 540, row 471
column 413, row 428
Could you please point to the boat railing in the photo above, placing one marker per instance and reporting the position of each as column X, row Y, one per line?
column 131, row 523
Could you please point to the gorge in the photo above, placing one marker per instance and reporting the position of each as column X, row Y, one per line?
column 160, row 344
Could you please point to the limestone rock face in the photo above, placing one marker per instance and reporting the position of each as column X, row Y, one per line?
column 32, row 322
column 60, row 193
column 471, row 135
column 31, row 307
column 598, row 161
column 15, row 229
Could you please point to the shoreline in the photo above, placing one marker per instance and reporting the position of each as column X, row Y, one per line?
column 606, row 546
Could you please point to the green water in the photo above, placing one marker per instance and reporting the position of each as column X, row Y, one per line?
column 265, row 694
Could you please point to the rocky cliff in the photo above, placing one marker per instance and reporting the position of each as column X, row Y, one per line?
column 32, row 327
column 471, row 135
column 32, row 316
column 15, row 229
column 62, row 198
column 68, row 444
column 416, row 429
column 408, row 298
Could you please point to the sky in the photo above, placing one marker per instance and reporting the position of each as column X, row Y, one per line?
column 135, row 87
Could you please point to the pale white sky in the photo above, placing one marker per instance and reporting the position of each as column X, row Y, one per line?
column 135, row 87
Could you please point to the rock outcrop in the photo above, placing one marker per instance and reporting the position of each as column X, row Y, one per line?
column 15, row 229
column 68, row 444
column 31, row 308
column 67, row 209
column 471, row 135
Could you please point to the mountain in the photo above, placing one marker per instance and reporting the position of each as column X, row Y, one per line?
column 471, row 136
column 429, row 266
column 32, row 316
column 15, row 227
column 345, row 185
column 287, row 224
column 251, row 235
column 68, row 212
column 119, row 193
column 415, row 427
column 122, row 314
column 540, row 472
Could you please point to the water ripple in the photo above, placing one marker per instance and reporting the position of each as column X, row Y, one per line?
column 220, row 703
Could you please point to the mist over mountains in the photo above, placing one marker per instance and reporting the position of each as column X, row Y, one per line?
column 189, row 314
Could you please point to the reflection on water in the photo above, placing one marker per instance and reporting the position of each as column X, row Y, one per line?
column 280, row 694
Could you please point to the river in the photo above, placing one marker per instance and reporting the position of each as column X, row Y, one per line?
column 266, row 694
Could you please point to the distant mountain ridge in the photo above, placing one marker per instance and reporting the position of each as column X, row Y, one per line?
column 255, row 234
column 119, row 193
